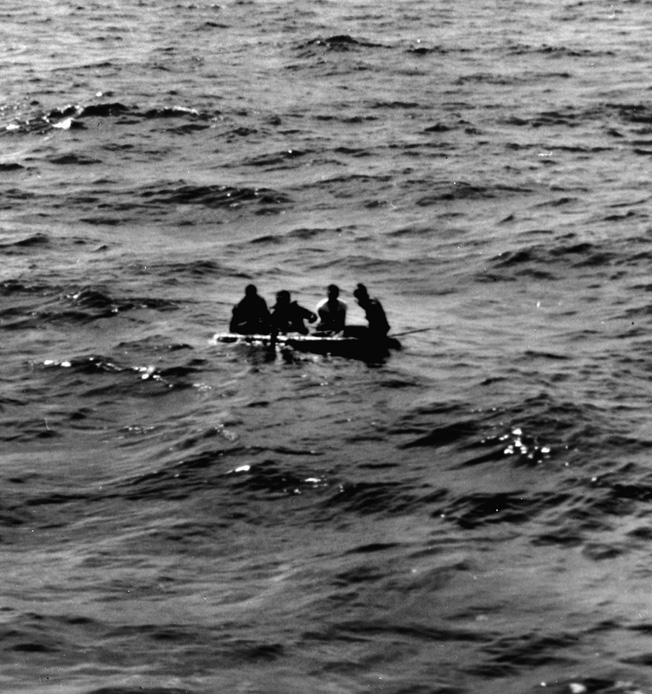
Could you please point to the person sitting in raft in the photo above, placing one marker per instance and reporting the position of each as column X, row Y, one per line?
column 288, row 316
column 331, row 311
column 378, row 326
column 251, row 315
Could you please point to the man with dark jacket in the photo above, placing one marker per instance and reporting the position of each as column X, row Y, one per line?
column 250, row 315
column 288, row 316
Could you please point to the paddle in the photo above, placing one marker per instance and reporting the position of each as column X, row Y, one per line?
column 411, row 332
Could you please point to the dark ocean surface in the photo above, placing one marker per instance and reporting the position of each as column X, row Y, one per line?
column 471, row 514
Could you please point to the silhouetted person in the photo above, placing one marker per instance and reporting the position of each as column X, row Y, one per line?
column 288, row 316
column 332, row 311
column 374, row 312
column 250, row 315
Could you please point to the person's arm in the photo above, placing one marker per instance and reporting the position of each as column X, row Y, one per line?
column 307, row 314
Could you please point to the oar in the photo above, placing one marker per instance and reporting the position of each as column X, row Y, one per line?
column 411, row 332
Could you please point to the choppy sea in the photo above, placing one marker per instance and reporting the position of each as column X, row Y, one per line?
column 471, row 514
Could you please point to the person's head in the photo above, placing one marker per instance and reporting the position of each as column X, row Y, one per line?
column 250, row 290
column 283, row 297
column 333, row 291
column 361, row 294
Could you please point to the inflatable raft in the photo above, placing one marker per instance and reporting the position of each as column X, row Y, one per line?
column 341, row 346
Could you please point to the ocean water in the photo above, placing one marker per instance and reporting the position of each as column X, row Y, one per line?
column 471, row 514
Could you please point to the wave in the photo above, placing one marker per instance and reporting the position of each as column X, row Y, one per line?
column 462, row 190
column 562, row 52
column 575, row 492
column 75, row 370
column 212, row 196
column 13, row 244
column 338, row 43
column 51, row 303
column 550, row 261
column 380, row 498
column 277, row 159
column 73, row 159
column 511, row 80
column 179, row 272
column 90, row 303
column 75, row 116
